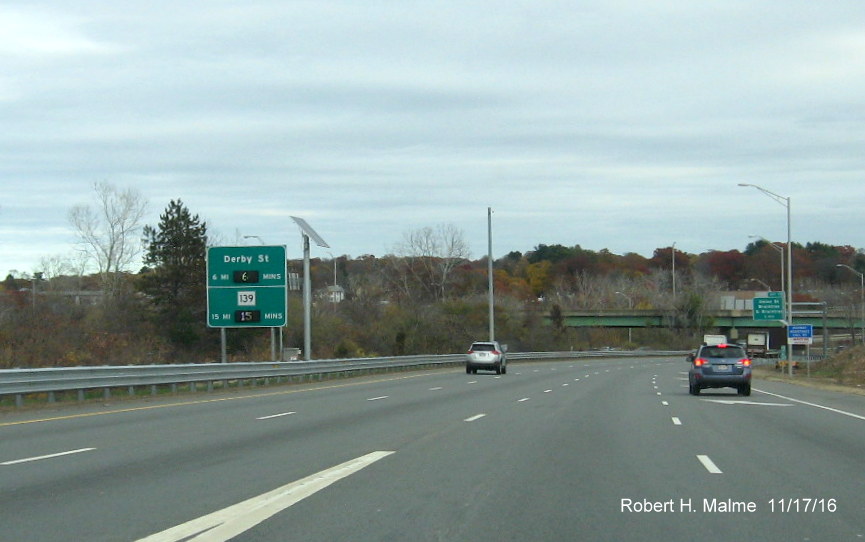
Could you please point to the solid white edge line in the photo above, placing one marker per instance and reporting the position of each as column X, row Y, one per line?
column 676, row 421
column 49, row 456
column 229, row 522
column 815, row 405
column 475, row 417
column 378, row 398
column 709, row 464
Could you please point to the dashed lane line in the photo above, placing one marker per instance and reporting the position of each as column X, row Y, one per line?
column 49, row 456
column 709, row 464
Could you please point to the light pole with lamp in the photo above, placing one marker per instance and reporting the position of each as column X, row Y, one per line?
column 785, row 201
column 768, row 288
column 861, row 297
column 630, row 306
column 776, row 247
column 673, row 257
column 273, row 329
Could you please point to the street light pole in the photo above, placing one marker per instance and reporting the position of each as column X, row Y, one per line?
column 491, row 303
column 785, row 201
column 674, row 272
column 630, row 306
column 780, row 251
column 861, row 298
column 273, row 356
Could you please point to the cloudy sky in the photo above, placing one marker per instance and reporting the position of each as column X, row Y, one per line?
column 618, row 124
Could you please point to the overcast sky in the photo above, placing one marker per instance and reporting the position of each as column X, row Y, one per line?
column 618, row 124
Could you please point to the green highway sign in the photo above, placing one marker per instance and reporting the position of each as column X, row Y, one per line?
column 769, row 308
column 246, row 286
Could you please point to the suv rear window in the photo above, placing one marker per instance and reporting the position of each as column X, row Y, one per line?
column 718, row 352
column 483, row 347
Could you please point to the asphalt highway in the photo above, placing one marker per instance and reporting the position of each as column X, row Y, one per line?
column 611, row 449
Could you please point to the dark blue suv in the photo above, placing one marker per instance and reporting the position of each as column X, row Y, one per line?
column 719, row 366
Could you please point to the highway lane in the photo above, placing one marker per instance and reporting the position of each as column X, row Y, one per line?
column 551, row 451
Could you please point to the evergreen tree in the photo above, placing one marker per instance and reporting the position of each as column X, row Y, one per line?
column 174, row 277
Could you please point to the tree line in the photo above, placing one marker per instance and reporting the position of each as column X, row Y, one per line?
column 427, row 296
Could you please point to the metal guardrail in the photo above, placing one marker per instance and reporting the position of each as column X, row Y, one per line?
column 20, row 382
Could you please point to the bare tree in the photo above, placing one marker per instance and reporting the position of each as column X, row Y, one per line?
column 110, row 233
column 426, row 258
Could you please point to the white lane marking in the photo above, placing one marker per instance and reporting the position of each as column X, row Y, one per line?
column 523, row 400
column 230, row 522
column 576, row 380
column 378, row 398
column 736, row 402
column 473, row 381
column 436, row 389
column 665, row 403
column 475, row 417
column 709, row 464
column 548, row 391
column 676, row 421
column 659, row 393
column 815, row 405
column 49, row 456
column 276, row 415
column 565, row 385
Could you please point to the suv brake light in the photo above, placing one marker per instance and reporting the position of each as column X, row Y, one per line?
column 699, row 362
column 496, row 353
column 745, row 362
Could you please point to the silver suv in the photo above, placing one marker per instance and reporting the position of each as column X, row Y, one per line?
column 487, row 355
column 719, row 366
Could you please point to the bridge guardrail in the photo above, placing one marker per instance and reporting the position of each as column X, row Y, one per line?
column 20, row 382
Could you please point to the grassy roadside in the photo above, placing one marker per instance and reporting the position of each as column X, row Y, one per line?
column 843, row 372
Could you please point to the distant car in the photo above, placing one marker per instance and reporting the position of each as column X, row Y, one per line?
column 719, row 366
column 486, row 355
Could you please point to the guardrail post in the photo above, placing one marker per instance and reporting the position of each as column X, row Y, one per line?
column 19, row 401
